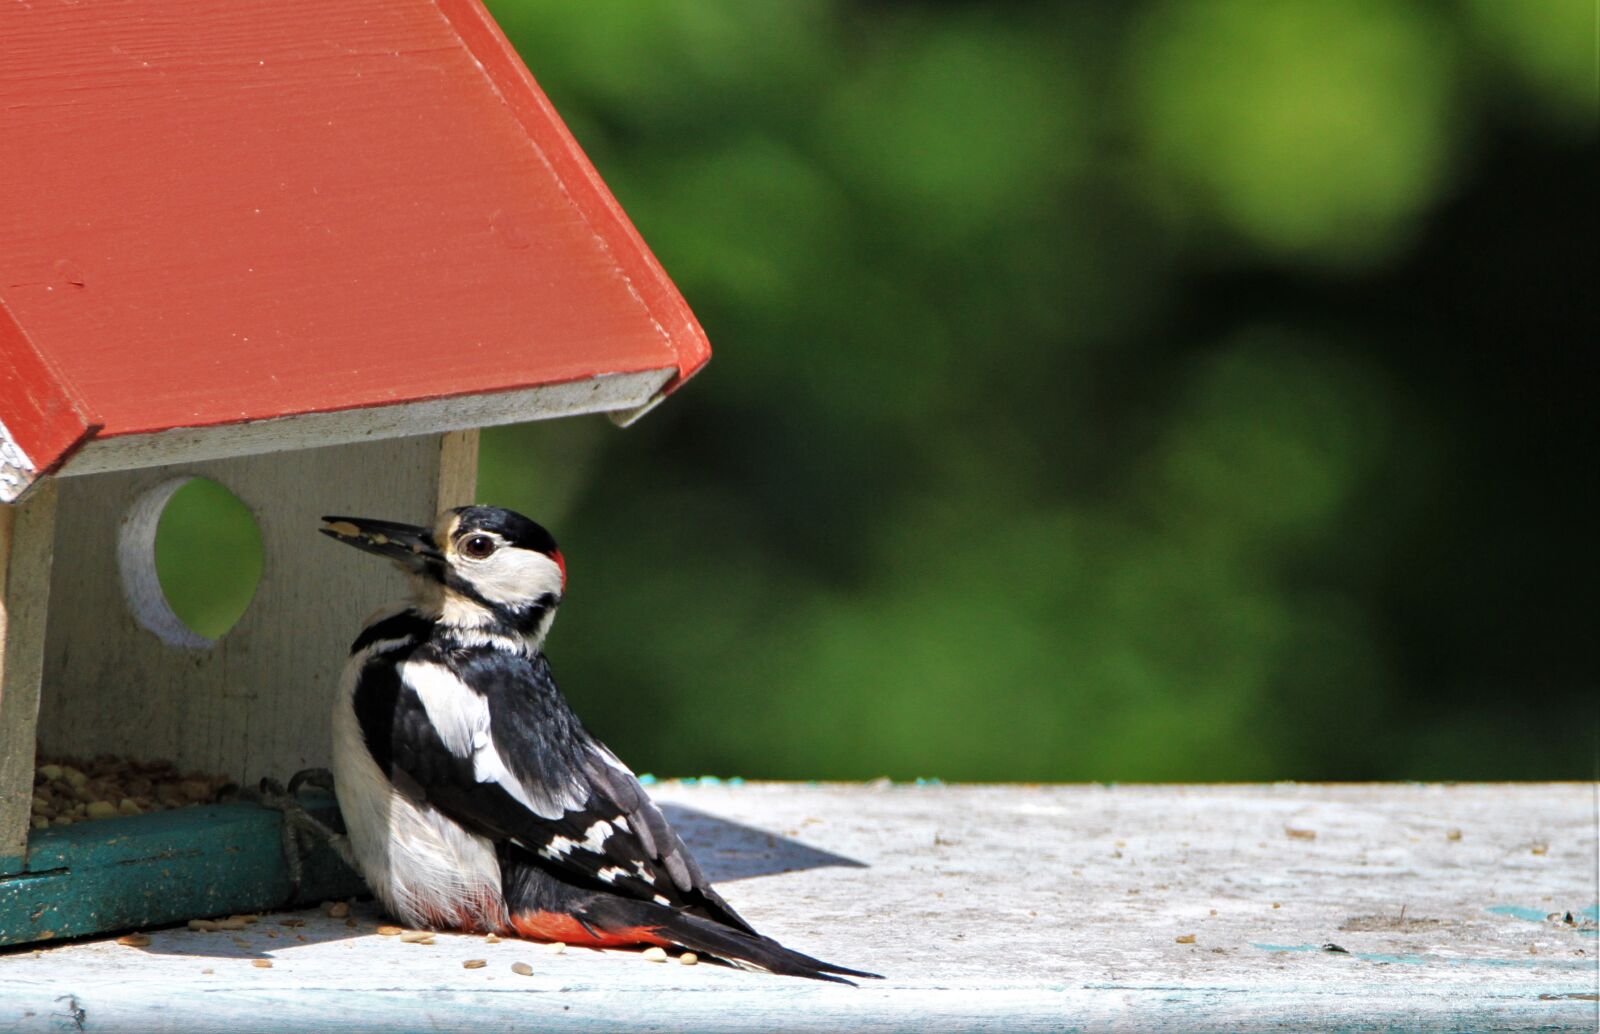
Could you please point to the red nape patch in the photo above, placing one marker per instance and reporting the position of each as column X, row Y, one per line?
column 558, row 926
column 561, row 562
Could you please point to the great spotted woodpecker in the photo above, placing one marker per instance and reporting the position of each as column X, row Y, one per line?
column 474, row 798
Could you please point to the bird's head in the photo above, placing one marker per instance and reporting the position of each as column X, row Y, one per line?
column 478, row 567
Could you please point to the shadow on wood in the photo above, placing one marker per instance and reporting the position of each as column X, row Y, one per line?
column 732, row 851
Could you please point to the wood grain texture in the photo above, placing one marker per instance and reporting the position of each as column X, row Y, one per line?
column 312, row 208
column 458, row 469
column 988, row 908
column 27, row 534
column 602, row 394
column 255, row 703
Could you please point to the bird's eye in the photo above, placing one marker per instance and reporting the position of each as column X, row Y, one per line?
column 478, row 546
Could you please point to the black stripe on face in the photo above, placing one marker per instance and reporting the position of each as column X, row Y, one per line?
column 407, row 625
column 507, row 619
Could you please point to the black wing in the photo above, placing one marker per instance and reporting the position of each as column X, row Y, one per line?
column 487, row 739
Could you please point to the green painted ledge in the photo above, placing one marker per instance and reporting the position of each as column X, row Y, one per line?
column 147, row 870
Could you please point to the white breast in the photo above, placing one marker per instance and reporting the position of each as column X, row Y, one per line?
column 428, row 871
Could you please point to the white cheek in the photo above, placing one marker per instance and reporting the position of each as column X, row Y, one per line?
column 516, row 576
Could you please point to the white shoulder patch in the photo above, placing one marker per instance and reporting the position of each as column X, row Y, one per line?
column 461, row 717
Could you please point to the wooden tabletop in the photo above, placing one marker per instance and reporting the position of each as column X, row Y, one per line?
column 986, row 907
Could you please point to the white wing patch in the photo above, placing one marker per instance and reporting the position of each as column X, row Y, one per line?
column 594, row 840
column 461, row 718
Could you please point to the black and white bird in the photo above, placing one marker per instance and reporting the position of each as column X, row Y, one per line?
column 473, row 797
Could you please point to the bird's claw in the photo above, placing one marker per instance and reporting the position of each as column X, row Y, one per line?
column 318, row 778
column 300, row 828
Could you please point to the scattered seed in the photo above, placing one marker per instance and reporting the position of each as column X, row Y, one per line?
column 1452, row 834
column 337, row 909
column 1277, row 904
column 208, row 971
column 1540, row 848
column 688, row 958
column 556, row 947
column 202, row 925
column 292, row 923
column 261, row 963
column 1300, row 834
column 134, row 940
column 388, row 931
column 474, row 963
column 1187, row 938
column 492, row 938
column 1213, row 911
column 417, row 937
column 655, row 954
column 522, row 969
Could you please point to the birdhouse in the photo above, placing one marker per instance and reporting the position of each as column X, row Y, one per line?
column 304, row 250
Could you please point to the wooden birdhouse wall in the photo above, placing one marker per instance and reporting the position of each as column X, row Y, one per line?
column 122, row 676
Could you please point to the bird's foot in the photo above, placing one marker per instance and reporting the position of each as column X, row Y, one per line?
column 300, row 828
column 319, row 778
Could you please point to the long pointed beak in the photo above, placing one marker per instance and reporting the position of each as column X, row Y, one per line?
column 408, row 544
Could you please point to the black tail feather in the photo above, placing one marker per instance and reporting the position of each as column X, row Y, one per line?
column 726, row 943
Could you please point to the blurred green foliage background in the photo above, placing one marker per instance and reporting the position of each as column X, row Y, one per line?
column 1189, row 390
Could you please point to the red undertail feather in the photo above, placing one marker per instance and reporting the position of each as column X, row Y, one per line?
column 480, row 912
column 558, row 926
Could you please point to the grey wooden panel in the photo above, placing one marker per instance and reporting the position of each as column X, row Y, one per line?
column 26, row 534
column 257, row 701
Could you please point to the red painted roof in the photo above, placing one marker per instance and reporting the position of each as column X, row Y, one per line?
column 219, row 212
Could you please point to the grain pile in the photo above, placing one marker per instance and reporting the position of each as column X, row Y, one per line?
column 66, row 791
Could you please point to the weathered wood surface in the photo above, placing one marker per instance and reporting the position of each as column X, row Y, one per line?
column 617, row 394
column 987, row 908
column 256, row 701
column 27, row 533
